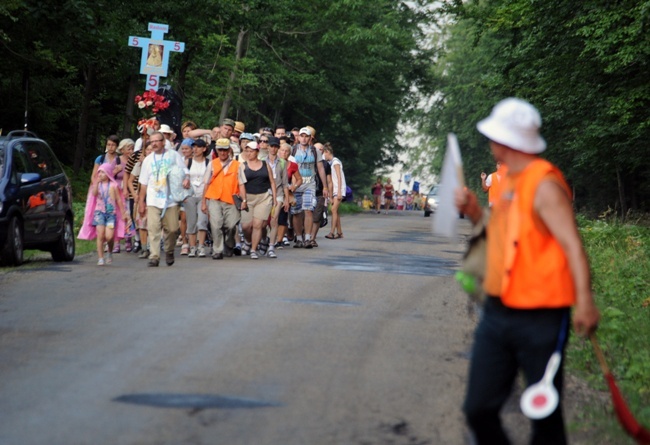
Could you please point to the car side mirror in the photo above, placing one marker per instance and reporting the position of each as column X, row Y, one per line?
column 29, row 178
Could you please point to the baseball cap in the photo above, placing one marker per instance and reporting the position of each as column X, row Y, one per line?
column 222, row 144
column 247, row 136
column 252, row 145
column 196, row 143
column 274, row 141
column 228, row 122
column 305, row 130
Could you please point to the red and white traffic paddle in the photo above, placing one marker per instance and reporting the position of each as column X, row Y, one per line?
column 540, row 400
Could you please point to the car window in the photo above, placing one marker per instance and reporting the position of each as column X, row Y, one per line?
column 19, row 163
column 42, row 159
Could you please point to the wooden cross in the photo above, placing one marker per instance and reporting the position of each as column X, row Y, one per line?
column 155, row 53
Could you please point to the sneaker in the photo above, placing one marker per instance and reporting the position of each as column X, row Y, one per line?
column 285, row 242
column 144, row 254
column 201, row 252
column 298, row 244
column 101, row 262
column 307, row 244
column 271, row 254
column 254, row 255
column 185, row 249
column 109, row 258
column 237, row 250
column 179, row 241
column 137, row 247
column 192, row 253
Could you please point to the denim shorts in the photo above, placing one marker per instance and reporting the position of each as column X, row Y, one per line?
column 103, row 219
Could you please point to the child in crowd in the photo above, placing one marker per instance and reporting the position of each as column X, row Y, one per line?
column 105, row 213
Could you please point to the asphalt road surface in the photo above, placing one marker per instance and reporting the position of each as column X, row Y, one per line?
column 363, row 340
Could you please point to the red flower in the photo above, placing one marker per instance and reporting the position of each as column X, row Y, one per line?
column 149, row 100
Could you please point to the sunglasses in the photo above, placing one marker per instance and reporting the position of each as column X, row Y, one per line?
column 266, row 141
column 156, row 140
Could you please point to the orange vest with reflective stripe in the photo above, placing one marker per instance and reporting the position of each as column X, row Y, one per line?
column 536, row 273
column 223, row 186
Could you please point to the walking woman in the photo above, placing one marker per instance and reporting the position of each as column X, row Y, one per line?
column 388, row 195
column 339, row 186
column 376, row 194
column 258, row 186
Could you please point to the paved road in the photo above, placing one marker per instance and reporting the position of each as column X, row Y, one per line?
column 363, row 340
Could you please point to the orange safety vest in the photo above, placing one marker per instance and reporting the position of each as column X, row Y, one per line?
column 536, row 273
column 223, row 186
column 495, row 186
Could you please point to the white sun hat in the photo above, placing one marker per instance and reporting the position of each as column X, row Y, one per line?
column 514, row 123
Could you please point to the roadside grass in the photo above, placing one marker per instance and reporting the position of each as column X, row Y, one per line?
column 619, row 256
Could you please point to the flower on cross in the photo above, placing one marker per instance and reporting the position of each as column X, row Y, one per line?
column 149, row 100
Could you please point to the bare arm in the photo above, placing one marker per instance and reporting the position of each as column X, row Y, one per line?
column 484, row 186
column 321, row 173
column 554, row 208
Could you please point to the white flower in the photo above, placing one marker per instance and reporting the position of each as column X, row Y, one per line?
column 141, row 104
column 149, row 103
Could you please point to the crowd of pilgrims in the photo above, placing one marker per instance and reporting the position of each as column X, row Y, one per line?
column 249, row 194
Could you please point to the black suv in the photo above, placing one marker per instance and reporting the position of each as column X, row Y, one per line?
column 35, row 200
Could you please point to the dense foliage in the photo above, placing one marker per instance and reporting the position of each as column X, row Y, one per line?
column 345, row 67
column 584, row 64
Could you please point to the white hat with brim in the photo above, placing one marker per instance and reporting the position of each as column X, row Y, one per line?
column 164, row 128
column 514, row 123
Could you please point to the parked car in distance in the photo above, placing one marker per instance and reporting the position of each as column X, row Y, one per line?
column 431, row 202
column 35, row 200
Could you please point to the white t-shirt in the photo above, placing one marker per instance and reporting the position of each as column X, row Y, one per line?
column 197, row 174
column 335, row 179
column 153, row 174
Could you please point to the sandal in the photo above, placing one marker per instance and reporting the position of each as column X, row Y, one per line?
column 331, row 236
column 338, row 235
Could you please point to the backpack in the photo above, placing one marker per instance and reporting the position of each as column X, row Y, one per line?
column 189, row 163
column 102, row 158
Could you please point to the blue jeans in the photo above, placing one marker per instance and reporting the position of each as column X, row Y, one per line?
column 508, row 340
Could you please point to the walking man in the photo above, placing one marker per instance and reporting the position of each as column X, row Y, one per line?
column 536, row 271
column 154, row 200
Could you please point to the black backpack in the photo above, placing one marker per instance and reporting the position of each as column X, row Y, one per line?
column 189, row 163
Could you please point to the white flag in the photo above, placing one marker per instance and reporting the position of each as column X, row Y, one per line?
column 446, row 216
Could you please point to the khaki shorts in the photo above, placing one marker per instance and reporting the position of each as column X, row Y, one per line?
column 259, row 206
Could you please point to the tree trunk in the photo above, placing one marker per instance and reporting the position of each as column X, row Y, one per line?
column 84, row 118
column 127, row 125
column 621, row 192
column 239, row 54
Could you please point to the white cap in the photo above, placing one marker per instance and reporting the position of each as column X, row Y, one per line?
column 305, row 130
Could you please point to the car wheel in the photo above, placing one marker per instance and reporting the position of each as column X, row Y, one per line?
column 12, row 252
column 64, row 248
